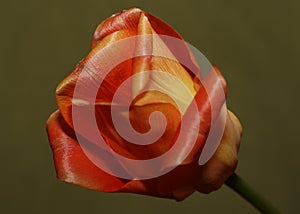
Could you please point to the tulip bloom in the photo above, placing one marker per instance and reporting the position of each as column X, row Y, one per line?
column 73, row 163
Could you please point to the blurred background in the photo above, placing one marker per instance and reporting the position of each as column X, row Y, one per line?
column 254, row 43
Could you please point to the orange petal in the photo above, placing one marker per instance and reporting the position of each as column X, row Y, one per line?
column 162, row 73
column 138, row 117
column 92, row 70
column 180, row 50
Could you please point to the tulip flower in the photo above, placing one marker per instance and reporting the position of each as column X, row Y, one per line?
column 148, row 85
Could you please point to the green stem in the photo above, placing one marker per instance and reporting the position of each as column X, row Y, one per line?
column 243, row 189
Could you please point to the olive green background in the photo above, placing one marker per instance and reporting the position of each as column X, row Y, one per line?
column 254, row 43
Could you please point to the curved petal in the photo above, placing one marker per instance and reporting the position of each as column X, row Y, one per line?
column 71, row 163
column 124, row 20
column 138, row 117
column 179, row 50
column 91, row 72
column 158, row 68
column 73, row 166
column 204, row 99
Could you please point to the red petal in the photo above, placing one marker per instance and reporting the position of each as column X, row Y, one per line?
column 125, row 20
column 73, row 166
column 215, row 85
column 71, row 163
